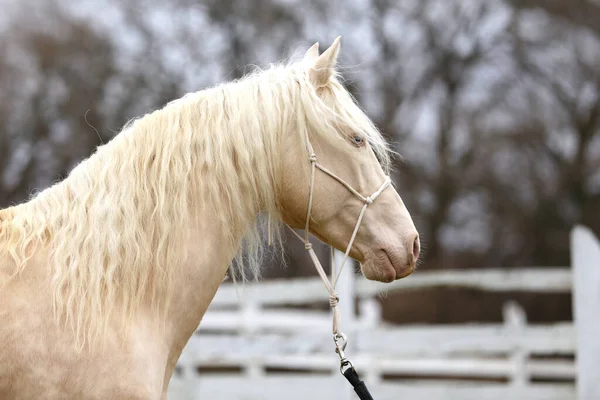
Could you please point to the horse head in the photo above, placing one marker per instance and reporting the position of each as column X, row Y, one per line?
column 335, row 181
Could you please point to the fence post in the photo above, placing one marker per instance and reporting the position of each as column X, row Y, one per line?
column 585, row 258
column 250, row 314
column 370, row 319
column 345, row 289
column 515, row 323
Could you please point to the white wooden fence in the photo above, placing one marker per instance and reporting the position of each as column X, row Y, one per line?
column 250, row 347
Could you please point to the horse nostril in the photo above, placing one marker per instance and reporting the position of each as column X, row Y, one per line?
column 416, row 248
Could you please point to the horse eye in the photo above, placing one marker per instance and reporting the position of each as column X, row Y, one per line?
column 357, row 140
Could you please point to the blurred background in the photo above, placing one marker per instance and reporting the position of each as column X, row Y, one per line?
column 494, row 106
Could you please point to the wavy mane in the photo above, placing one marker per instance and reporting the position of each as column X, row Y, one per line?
column 115, row 225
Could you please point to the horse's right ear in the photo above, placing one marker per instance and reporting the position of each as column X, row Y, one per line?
column 324, row 65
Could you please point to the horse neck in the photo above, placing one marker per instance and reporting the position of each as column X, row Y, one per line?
column 197, row 280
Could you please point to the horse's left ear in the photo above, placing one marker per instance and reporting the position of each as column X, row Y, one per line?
column 312, row 54
column 324, row 66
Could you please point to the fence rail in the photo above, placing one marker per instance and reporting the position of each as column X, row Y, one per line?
column 309, row 290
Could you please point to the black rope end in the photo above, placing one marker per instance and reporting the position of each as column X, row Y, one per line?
column 359, row 386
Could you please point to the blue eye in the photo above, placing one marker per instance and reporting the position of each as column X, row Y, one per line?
column 358, row 141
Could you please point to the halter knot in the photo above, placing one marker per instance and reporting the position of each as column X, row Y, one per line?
column 334, row 300
column 312, row 157
column 369, row 200
column 308, row 246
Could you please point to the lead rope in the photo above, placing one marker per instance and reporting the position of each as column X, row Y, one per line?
column 339, row 338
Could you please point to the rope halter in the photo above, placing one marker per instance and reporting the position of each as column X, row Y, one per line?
column 330, row 285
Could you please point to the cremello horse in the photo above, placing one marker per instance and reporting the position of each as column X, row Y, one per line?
column 105, row 276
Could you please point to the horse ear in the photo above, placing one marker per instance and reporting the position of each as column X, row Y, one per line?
column 312, row 54
column 324, row 65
